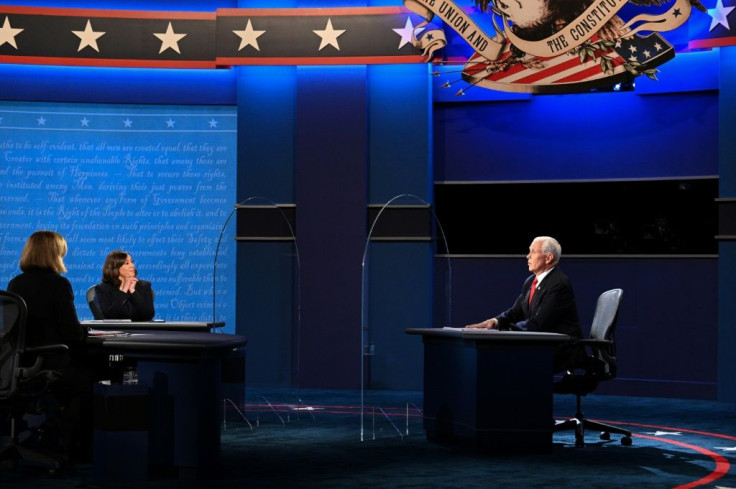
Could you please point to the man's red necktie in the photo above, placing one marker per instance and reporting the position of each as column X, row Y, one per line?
column 531, row 291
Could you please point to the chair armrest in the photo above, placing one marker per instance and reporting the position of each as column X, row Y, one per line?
column 59, row 347
column 593, row 342
column 41, row 352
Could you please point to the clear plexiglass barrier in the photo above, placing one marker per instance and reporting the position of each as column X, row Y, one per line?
column 406, row 282
column 269, row 310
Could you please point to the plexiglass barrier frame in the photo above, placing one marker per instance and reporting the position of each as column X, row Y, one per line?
column 367, row 347
column 294, row 345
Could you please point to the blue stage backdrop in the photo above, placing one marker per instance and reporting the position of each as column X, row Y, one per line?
column 155, row 181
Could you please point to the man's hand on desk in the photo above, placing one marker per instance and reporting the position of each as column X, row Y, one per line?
column 487, row 324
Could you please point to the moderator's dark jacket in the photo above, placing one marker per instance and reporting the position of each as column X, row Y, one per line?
column 52, row 316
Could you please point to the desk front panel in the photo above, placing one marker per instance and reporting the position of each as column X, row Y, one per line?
column 183, row 371
column 490, row 391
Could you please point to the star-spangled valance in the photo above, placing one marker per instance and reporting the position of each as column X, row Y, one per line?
column 227, row 37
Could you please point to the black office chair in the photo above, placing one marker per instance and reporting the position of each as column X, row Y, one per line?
column 94, row 305
column 600, row 365
column 24, row 385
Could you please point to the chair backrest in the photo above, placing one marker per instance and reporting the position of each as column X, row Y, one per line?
column 13, row 312
column 94, row 305
column 604, row 327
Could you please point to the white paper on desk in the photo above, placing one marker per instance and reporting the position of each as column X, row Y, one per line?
column 108, row 321
column 102, row 332
column 470, row 330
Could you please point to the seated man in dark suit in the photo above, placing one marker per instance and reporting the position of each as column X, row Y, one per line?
column 546, row 303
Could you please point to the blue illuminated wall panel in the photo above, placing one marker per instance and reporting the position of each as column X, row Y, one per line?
column 268, row 271
column 398, row 289
column 727, row 247
column 117, row 85
column 331, row 198
column 155, row 181
column 578, row 137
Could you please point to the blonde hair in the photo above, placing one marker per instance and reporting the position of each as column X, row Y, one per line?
column 44, row 249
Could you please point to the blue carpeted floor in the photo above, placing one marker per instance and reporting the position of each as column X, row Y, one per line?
column 315, row 439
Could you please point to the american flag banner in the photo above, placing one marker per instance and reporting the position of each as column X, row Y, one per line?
column 315, row 36
column 218, row 39
column 599, row 63
column 574, row 54
column 548, row 46
column 96, row 37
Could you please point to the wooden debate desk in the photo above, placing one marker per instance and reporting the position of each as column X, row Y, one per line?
column 489, row 389
column 180, row 377
column 115, row 324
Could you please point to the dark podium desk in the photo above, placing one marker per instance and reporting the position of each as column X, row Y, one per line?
column 113, row 324
column 182, row 372
column 489, row 389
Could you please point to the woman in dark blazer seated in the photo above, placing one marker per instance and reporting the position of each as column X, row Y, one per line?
column 52, row 316
column 52, row 319
column 121, row 295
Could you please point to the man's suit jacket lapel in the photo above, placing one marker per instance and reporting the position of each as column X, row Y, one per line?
column 542, row 288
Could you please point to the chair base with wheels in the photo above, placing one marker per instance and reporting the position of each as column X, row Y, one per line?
column 580, row 424
column 15, row 451
column 29, row 439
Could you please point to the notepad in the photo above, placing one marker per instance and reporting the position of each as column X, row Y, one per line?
column 108, row 321
column 473, row 330
column 102, row 332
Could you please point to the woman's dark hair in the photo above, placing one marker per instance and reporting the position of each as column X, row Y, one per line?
column 111, row 267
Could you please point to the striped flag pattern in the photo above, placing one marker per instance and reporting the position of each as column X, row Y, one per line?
column 600, row 67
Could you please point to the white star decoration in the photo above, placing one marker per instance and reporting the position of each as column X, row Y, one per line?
column 720, row 15
column 169, row 39
column 212, row 123
column 646, row 54
column 41, row 121
column 85, row 122
column 7, row 33
column 170, row 122
column 127, row 122
column 249, row 37
column 88, row 37
column 407, row 32
column 329, row 36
